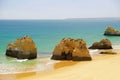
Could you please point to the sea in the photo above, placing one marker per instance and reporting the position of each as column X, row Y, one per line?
column 47, row 34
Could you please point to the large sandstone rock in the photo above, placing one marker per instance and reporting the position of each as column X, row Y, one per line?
column 70, row 49
column 103, row 44
column 23, row 48
column 111, row 31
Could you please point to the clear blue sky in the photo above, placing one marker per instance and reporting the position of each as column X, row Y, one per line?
column 58, row 9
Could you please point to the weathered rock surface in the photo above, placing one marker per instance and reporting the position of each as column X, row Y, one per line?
column 111, row 31
column 70, row 49
column 103, row 44
column 23, row 48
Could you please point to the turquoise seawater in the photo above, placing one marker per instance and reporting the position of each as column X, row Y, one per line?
column 48, row 33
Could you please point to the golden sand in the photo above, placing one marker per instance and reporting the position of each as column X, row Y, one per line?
column 103, row 67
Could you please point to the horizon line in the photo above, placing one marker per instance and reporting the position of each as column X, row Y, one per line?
column 66, row 18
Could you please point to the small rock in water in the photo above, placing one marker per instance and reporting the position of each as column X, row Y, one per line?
column 103, row 44
column 110, row 31
column 108, row 53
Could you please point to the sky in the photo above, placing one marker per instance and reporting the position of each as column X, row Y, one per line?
column 58, row 9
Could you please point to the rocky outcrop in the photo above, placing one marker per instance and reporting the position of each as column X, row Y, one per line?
column 70, row 49
column 103, row 44
column 23, row 48
column 111, row 31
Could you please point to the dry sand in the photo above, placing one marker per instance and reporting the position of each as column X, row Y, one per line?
column 103, row 67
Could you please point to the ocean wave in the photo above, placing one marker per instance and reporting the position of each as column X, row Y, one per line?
column 93, row 51
column 21, row 60
column 116, row 46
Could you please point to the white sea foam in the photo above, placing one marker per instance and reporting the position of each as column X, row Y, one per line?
column 93, row 51
column 21, row 60
column 116, row 46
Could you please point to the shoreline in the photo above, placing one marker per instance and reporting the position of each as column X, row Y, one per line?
column 63, row 68
column 54, row 67
column 103, row 67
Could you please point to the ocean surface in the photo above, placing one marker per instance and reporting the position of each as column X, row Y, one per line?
column 47, row 34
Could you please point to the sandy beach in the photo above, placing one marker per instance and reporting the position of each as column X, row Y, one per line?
column 102, row 67
column 59, row 39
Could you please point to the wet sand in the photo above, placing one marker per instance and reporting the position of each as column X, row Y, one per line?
column 102, row 67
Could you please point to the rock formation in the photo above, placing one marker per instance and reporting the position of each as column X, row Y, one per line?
column 103, row 44
column 111, row 31
column 106, row 52
column 70, row 49
column 23, row 48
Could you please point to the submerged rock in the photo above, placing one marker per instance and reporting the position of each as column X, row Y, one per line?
column 70, row 49
column 110, row 31
column 22, row 48
column 106, row 52
column 103, row 44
